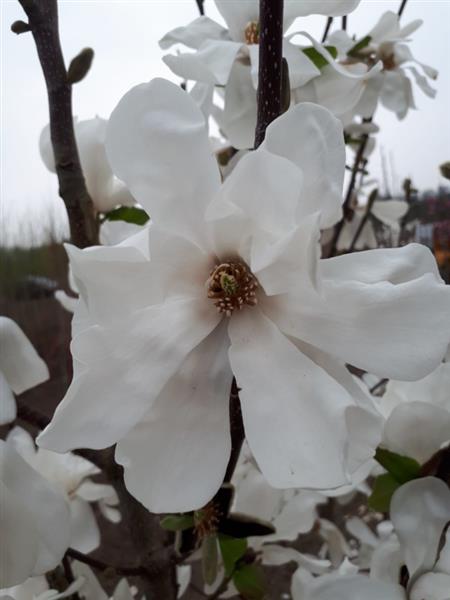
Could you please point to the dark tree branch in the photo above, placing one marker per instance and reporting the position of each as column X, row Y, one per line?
column 349, row 195
column 270, row 71
column 344, row 23
column 201, row 8
column 237, row 431
column 373, row 196
column 270, row 106
column 402, row 7
column 102, row 566
column 43, row 22
column 327, row 28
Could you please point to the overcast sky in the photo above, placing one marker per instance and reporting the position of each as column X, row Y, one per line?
column 124, row 35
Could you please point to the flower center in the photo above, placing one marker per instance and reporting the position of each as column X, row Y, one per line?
column 206, row 520
column 389, row 62
column 231, row 285
column 251, row 33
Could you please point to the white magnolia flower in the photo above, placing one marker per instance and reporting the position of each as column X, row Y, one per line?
column 34, row 521
column 392, row 86
column 70, row 474
column 21, row 368
column 291, row 512
column 420, row 511
column 105, row 190
column 160, row 331
column 418, row 415
column 388, row 212
column 91, row 588
column 37, row 588
column 229, row 58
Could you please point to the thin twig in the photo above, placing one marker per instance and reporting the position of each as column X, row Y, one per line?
column 201, row 8
column 102, row 566
column 344, row 23
column 43, row 22
column 402, row 7
column 349, row 195
column 327, row 28
column 373, row 196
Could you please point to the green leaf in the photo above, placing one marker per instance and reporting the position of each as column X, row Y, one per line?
column 315, row 57
column 360, row 45
column 402, row 468
column 232, row 551
column 177, row 522
column 249, row 581
column 129, row 214
column 210, row 562
column 384, row 488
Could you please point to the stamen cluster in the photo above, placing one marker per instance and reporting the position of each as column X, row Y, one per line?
column 251, row 33
column 231, row 286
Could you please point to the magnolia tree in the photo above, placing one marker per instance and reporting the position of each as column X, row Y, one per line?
column 260, row 396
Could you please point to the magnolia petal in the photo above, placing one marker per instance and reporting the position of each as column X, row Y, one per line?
column 124, row 369
column 304, row 8
column 45, row 516
column 211, row 63
column 287, row 439
column 238, row 15
column 301, row 68
column 69, row 303
column 422, row 82
column 396, row 93
column 118, row 280
column 420, row 537
column 387, row 561
column 291, row 261
column 20, row 364
column 368, row 298
column 238, row 120
column 176, row 456
column 417, row 429
column 390, row 212
column 432, row 586
column 194, row 34
column 84, row 531
column 91, row 587
column 356, row 587
column 321, row 159
column 386, row 29
column 150, row 140
column 20, row 540
column 8, row 410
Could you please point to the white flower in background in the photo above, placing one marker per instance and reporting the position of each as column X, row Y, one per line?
column 21, row 367
column 420, row 511
column 34, row 521
column 37, row 588
column 106, row 191
column 228, row 58
column 417, row 415
column 92, row 590
column 392, row 86
column 158, row 340
column 388, row 212
column 70, row 474
column 291, row 512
